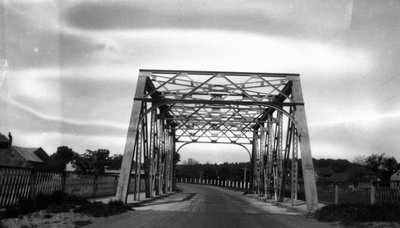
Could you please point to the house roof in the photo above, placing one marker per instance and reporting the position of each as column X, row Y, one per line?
column 28, row 153
column 349, row 173
column 341, row 177
column 395, row 176
column 3, row 138
column 2, row 151
column 324, row 170
column 362, row 170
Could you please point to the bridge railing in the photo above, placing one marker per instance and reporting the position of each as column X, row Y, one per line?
column 20, row 183
column 215, row 182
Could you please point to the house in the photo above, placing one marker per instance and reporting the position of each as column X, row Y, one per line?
column 69, row 167
column 395, row 180
column 21, row 156
column 354, row 174
column 323, row 173
column 395, row 176
column 4, row 142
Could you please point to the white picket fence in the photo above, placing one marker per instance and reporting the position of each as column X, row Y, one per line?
column 215, row 182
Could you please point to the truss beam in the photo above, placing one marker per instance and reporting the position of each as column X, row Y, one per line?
column 216, row 102
column 262, row 110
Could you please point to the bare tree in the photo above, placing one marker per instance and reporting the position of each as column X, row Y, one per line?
column 191, row 161
column 359, row 159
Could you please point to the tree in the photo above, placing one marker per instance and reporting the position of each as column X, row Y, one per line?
column 382, row 165
column 359, row 159
column 374, row 162
column 225, row 171
column 390, row 164
column 191, row 168
column 389, row 168
column 59, row 159
column 92, row 161
column 116, row 162
column 190, row 161
column 337, row 165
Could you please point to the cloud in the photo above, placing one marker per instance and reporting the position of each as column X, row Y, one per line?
column 55, row 95
column 366, row 134
column 34, row 129
column 28, row 32
column 229, row 51
column 50, row 100
column 279, row 17
column 113, row 142
column 63, row 41
column 72, row 66
column 363, row 118
column 38, row 121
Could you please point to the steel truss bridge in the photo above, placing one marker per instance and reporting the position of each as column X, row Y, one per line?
column 261, row 111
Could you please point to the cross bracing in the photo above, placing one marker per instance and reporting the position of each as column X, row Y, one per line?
column 263, row 110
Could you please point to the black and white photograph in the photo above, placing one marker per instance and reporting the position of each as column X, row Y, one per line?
column 199, row 113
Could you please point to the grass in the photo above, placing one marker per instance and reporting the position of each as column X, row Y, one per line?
column 56, row 202
column 59, row 202
column 350, row 214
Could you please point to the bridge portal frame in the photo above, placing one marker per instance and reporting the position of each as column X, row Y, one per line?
column 265, row 110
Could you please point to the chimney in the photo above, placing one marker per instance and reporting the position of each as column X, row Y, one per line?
column 10, row 138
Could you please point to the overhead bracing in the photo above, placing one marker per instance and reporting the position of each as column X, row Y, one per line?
column 264, row 111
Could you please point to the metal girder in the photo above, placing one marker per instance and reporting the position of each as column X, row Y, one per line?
column 263, row 74
column 310, row 187
column 265, row 110
column 219, row 102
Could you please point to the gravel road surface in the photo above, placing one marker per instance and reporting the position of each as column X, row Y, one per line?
column 208, row 206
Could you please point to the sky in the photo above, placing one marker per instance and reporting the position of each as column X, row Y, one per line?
column 68, row 69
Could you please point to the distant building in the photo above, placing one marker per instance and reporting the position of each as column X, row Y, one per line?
column 4, row 142
column 69, row 167
column 323, row 173
column 395, row 180
column 20, row 156
column 354, row 174
column 395, row 176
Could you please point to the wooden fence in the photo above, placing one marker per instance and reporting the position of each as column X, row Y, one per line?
column 17, row 183
column 363, row 192
column 214, row 182
column 328, row 192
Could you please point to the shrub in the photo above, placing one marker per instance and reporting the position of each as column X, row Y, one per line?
column 99, row 209
column 56, row 202
column 348, row 214
column 60, row 202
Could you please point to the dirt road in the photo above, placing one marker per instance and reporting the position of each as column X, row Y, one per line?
column 208, row 206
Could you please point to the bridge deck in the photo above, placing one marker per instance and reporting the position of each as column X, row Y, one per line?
column 208, row 206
